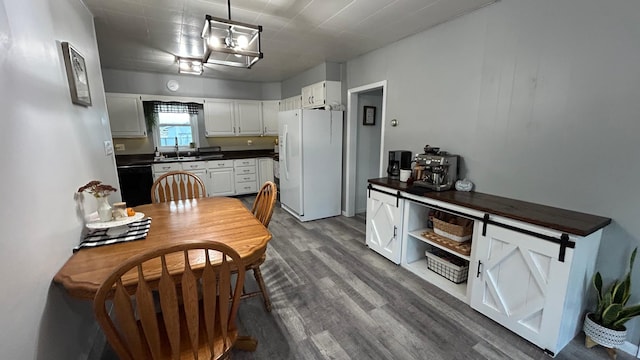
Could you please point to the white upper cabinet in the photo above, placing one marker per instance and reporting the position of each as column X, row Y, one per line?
column 291, row 103
column 320, row 94
column 219, row 119
column 232, row 117
column 126, row 115
column 248, row 117
column 270, row 117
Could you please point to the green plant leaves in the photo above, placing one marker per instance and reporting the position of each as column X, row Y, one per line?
column 611, row 311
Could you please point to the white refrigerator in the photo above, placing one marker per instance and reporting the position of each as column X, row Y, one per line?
column 310, row 163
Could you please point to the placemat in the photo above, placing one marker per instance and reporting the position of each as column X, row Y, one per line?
column 463, row 248
column 137, row 230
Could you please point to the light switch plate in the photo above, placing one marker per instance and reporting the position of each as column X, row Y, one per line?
column 108, row 148
column 120, row 147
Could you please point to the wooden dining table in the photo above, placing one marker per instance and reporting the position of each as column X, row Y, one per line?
column 221, row 219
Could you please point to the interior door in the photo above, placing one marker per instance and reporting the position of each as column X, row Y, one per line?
column 520, row 283
column 384, row 219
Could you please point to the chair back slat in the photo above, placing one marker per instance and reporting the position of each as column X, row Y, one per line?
column 170, row 310
column 209, row 297
column 191, row 306
column 224, row 288
column 177, row 185
column 198, row 306
column 147, row 315
column 263, row 204
column 127, row 321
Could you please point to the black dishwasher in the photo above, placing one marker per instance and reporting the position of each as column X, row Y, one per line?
column 135, row 184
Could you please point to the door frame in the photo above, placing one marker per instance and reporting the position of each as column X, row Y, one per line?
column 352, row 140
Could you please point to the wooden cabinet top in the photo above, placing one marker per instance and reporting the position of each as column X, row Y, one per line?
column 563, row 220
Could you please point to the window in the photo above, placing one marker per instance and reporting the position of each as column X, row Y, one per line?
column 176, row 124
column 175, row 129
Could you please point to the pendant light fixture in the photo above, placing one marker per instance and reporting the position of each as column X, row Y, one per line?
column 190, row 66
column 231, row 43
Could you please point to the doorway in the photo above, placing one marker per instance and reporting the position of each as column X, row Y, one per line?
column 365, row 142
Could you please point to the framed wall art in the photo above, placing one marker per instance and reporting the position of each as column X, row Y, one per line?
column 369, row 115
column 76, row 75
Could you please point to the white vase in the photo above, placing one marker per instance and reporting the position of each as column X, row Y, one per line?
column 104, row 209
column 603, row 336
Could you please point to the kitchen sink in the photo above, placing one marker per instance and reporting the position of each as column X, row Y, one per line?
column 189, row 158
column 180, row 158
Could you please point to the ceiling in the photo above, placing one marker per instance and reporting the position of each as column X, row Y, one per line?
column 147, row 35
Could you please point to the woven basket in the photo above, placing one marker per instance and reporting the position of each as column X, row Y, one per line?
column 444, row 268
column 453, row 231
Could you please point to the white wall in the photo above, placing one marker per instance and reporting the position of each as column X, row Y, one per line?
column 48, row 149
column 540, row 98
column 139, row 82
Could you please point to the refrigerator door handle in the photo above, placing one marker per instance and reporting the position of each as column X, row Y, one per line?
column 286, row 151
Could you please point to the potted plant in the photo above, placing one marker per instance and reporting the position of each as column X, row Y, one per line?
column 605, row 326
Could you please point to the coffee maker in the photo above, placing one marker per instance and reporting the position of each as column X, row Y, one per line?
column 435, row 169
column 398, row 159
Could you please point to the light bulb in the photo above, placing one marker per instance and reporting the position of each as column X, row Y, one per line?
column 242, row 41
column 214, row 41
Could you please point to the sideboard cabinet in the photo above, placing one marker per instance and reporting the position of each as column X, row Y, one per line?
column 524, row 265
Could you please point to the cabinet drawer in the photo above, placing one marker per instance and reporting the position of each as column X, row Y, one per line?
column 194, row 165
column 166, row 167
column 244, row 162
column 243, row 170
column 245, row 178
column 245, row 188
column 218, row 164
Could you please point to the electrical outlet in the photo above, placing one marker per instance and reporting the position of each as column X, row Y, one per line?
column 120, row 147
column 249, row 142
column 108, row 148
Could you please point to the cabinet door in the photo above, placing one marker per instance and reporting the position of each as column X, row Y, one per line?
column 520, row 283
column 307, row 96
column 384, row 224
column 219, row 117
column 318, row 94
column 248, row 118
column 126, row 116
column 221, row 182
column 270, row 117
column 265, row 170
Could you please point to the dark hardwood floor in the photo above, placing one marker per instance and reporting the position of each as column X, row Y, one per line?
column 333, row 298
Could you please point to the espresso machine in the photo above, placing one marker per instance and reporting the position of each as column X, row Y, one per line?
column 435, row 169
column 398, row 159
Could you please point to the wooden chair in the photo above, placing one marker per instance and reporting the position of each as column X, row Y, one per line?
column 198, row 307
column 262, row 209
column 177, row 185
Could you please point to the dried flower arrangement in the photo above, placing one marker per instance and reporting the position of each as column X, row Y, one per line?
column 97, row 189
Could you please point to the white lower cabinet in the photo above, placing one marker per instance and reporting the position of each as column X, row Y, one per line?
column 246, row 176
column 161, row 169
column 384, row 224
column 199, row 169
column 520, row 282
column 265, row 170
column 521, row 275
column 220, row 178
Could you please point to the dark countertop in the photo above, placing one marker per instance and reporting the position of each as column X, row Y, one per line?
column 147, row 159
column 567, row 221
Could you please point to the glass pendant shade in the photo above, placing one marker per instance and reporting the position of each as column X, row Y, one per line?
column 231, row 43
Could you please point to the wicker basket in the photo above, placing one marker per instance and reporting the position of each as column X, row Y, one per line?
column 444, row 268
column 459, row 231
